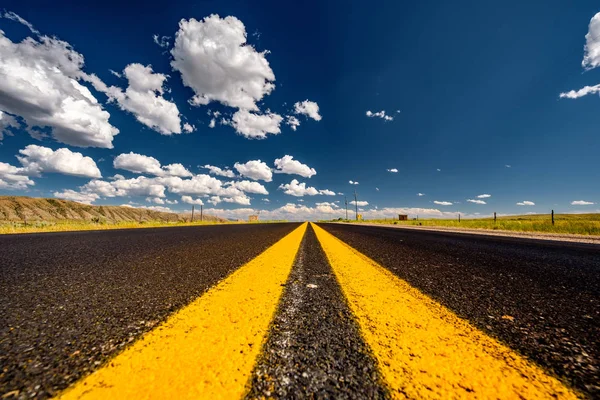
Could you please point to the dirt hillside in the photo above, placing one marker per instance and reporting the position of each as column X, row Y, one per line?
column 21, row 208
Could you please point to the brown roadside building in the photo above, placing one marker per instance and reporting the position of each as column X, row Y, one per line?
column 402, row 217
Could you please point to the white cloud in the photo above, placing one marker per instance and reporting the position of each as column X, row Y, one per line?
column 205, row 185
column 438, row 170
column 102, row 188
column 215, row 61
column 176, row 169
column 138, row 163
column 236, row 213
column 141, row 164
column 190, row 200
column 140, row 186
column 7, row 121
column 162, row 41
column 287, row 165
column 353, row 183
column 266, row 200
column 420, row 194
column 212, row 123
column 380, row 114
column 12, row 16
column 581, row 203
column 295, row 188
column 188, row 128
column 241, row 199
column 293, row 122
column 591, row 56
column 13, row 178
column 526, row 203
column 325, row 203
column 143, row 98
column 508, row 166
column 476, row 201
column 41, row 84
column 85, row 198
column 37, row 159
column 484, row 196
column 309, row 108
column 220, row 172
column 393, row 170
column 200, row 185
column 256, row 126
column 151, row 208
column 155, row 200
column 214, row 200
column 359, row 203
column 327, row 192
column 255, row 169
column 575, row 94
column 197, row 185
column 249, row 187
column 442, row 203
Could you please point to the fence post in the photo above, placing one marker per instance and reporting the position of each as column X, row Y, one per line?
column 458, row 217
column 201, row 213
column 494, row 216
column 552, row 217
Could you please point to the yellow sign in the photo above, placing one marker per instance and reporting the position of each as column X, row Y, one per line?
column 359, row 216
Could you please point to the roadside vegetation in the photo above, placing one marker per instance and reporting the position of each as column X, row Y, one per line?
column 20, row 214
column 65, row 226
column 580, row 224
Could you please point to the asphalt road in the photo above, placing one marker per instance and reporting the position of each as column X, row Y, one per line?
column 70, row 301
column 315, row 349
column 540, row 298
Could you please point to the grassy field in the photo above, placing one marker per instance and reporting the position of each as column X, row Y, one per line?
column 581, row 224
column 64, row 226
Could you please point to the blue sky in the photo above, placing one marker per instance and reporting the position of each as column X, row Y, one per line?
column 471, row 92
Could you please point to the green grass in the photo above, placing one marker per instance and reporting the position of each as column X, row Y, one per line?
column 64, row 226
column 581, row 224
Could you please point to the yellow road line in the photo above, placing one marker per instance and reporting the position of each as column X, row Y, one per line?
column 423, row 349
column 206, row 350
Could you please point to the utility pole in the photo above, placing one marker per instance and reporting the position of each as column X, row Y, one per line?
column 356, row 204
column 201, row 214
column 192, row 213
column 346, row 201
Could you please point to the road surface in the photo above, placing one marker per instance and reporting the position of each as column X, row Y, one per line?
column 297, row 310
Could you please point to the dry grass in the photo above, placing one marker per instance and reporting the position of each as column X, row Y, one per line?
column 580, row 224
column 20, row 214
column 65, row 226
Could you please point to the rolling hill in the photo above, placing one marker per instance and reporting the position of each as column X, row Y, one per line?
column 21, row 208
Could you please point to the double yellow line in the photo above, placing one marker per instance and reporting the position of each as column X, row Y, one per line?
column 208, row 349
